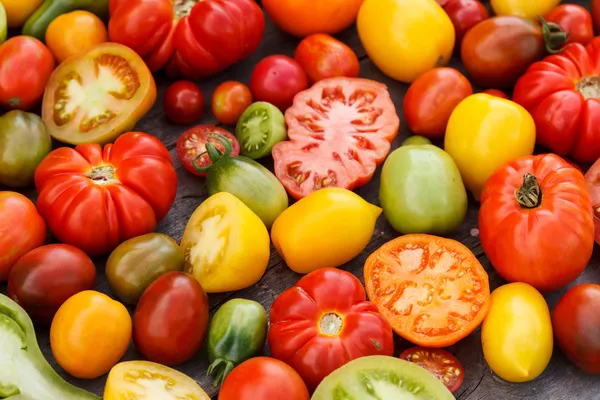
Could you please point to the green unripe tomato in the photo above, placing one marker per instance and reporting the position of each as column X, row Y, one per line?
column 416, row 140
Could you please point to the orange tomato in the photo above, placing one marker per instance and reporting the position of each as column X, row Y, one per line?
column 89, row 334
column 74, row 33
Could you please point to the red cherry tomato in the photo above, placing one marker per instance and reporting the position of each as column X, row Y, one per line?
column 575, row 20
column 277, row 79
column 464, row 15
column 496, row 92
column 183, row 103
column 229, row 101
column 193, row 142
column 440, row 363
column 43, row 279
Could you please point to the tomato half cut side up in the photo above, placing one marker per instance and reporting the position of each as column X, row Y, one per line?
column 432, row 290
column 193, row 143
column 442, row 364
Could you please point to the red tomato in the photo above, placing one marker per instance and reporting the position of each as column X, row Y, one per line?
column 193, row 142
column 596, row 15
column 576, row 323
column 575, row 20
column 440, row 363
column 592, row 179
column 561, row 94
column 324, row 322
column 340, row 130
column 95, row 199
column 464, row 15
column 25, row 67
column 196, row 41
column 263, row 378
column 431, row 98
column 525, row 207
column 22, row 229
column 171, row 318
column 229, row 101
column 497, row 93
column 322, row 56
column 183, row 103
column 277, row 79
column 43, row 279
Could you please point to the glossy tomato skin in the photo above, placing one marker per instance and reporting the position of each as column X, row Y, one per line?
column 592, row 180
column 497, row 93
column 122, row 191
column 575, row 321
column 171, row 318
column 323, row 56
column 263, row 378
column 183, row 103
column 523, row 8
column 277, row 79
column 324, row 322
column 464, row 15
column 193, row 142
column 229, row 101
column 431, row 98
column 25, row 67
column 43, row 279
column 440, row 363
column 575, row 20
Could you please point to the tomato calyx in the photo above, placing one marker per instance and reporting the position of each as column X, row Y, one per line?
column 529, row 195
column 102, row 175
column 554, row 37
column 182, row 8
column 221, row 368
column 331, row 324
column 213, row 153
column 589, row 87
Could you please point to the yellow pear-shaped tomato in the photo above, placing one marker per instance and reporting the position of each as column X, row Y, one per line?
column 226, row 245
column 517, row 333
column 485, row 132
column 327, row 228
column 405, row 38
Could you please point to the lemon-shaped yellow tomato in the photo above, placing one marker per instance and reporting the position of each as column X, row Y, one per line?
column 485, row 132
column 226, row 245
column 18, row 11
column 524, row 8
column 405, row 38
column 517, row 333
column 327, row 228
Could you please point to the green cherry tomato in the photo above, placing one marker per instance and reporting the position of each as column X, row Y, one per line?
column 138, row 262
column 416, row 140
column 259, row 128
column 422, row 191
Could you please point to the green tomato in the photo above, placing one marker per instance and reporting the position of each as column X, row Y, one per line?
column 24, row 142
column 416, row 140
column 138, row 262
column 422, row 191
column 259, row 128
column 3, row 23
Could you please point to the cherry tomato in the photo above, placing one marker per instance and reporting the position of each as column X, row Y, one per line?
column 277, row 79
column 497, row 93
column 229, row 101
column 323, row 56
column 183, row 103
column 575, row 20
column 440, row 363
column 193, row 142
column 464, row 15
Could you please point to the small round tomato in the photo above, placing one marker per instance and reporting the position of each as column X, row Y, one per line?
column 277, row 79
column 431, row 98
column 43, row 279
column 263, row 378
column 592, row 180
column 87, row 29
column 89, row 334
column 162, row 335
column 192, row 143
column 464, row 15
column 322, row 56
column 575, row 20
column 440, row 363
column 229, row 101
column 183, row 103
column 497, row 93
column 529, row 9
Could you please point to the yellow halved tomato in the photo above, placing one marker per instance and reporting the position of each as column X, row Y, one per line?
column 96, row 96
column 226, row 245
column 18, row 11
column 145, row 380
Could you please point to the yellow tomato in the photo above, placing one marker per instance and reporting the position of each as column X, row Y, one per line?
column 524, row 8
column 18, row 11
column 89, row 334
column 405, row 38
column 517, row 333
column 226, row 245
column 145, row 380
column 327, row 228
column 485, row 132
column 74, row 33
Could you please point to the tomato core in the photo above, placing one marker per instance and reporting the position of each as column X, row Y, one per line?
column 529, row 195
column 102, row 175
column 589, row 87
column 331, row 324
column 182, row 8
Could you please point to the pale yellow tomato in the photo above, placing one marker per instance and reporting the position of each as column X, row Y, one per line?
column 517, row 333
column 18, row 11
column 524, row 8
column 485, row 132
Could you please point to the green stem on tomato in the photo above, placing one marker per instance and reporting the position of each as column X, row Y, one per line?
column 553, row 36
column 529, row 195
column 222, row 368
column 213, row 153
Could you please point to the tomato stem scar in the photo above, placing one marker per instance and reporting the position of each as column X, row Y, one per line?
column 331, row 324
column 529, row 195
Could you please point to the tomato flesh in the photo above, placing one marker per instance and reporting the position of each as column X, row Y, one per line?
column 440, row 363
column 193, row 142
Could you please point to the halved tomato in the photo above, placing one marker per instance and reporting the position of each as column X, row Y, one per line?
column 440, row 363
column 95, row 97
column 339, row 131
column 432, row 290
column 193, row 142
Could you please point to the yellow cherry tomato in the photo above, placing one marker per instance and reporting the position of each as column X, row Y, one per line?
column 18, row 11
column 145, row 380
column 524, row 8
column 89, row 334
column 485, row 132
column 405, row 38
column 327, row 228
column 517, row 333
column 226, row 245
column 74, row 33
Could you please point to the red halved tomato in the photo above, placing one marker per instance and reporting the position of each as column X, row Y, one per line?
column 339, row 131
column 440, row 363
column 95, row 97
column 193, row 142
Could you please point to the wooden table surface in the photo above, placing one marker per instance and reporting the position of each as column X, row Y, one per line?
column 560, row 381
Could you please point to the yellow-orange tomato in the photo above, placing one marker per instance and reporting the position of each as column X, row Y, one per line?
column 74, row 33
column 89, row 334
